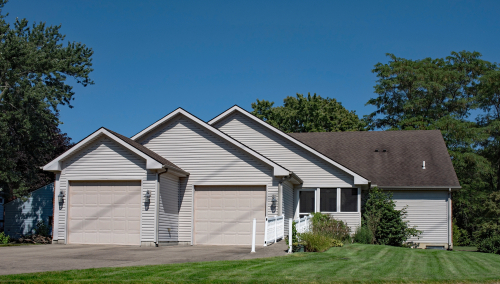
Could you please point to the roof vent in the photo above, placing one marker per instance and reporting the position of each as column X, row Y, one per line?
column 384, row 150
column 376, row 150
column 423, row 165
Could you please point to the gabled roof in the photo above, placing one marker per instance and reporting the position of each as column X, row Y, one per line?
column 400, row 166
column 278, row 170
column 153, row 160
column 358, row 178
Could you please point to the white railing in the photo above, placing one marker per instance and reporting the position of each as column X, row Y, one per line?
column 303, row 224
column 274, row 230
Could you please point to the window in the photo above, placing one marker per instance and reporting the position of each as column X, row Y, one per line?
column 306, row 202
column 349, row 200
column 328, row 200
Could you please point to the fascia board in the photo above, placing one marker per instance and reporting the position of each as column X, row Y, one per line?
column 358, row 180
column 55, row 165
column 277, row 169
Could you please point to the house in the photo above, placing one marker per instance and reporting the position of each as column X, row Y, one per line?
column 182, row 180
column 22, row 216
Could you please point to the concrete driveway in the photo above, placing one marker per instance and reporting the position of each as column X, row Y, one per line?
column 39, row 258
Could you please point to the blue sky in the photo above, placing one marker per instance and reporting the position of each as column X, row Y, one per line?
column 205, row 56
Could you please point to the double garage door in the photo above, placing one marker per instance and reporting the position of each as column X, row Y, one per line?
column 110, row 212
column 223, row 215
column 104, row 213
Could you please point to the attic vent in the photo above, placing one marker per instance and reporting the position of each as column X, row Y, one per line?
column 376, row 150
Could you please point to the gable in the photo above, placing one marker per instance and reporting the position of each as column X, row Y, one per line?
column 204, row 153
column 314, row 171
column 278, row 170
column 103, row 157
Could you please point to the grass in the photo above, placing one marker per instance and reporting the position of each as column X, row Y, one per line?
column 352, row 263
column 465, row 248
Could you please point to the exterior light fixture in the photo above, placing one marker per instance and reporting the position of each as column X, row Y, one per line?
column 147, row 197
column 61, row 199
column 273, row 200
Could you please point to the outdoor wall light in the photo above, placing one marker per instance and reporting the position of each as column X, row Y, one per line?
column 61, row 199
column 273, row 200
column 147, row 197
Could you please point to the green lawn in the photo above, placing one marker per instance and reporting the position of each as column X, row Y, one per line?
column 352, row 263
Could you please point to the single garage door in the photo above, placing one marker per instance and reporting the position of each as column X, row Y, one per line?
column 105, row 212
column 223, row 214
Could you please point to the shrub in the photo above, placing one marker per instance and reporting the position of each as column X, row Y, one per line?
column 315, row 242
column 337, row 243
column 326, row 225
column 460, row 236
column 42, row 229
column 4, row 239
column 490, row 245
column 386, row 224
column 363, row 235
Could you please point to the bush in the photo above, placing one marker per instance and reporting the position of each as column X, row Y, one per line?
column 326, row 225
column 363, row 235
column 42, row 229
column 490, row 245
column 4, row 239
column 337, row 243
column 315, row 242
column 460, row 236
column 386, row 224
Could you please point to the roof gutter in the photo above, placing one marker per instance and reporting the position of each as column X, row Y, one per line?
column 176, row 170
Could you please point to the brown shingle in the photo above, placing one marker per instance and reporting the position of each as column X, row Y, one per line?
column 146, row 151
column 400, row 165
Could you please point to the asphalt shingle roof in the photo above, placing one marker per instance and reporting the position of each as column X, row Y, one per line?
column 399, row 165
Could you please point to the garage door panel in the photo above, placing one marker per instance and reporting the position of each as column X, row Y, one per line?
column 104, row 212
column 223, row 215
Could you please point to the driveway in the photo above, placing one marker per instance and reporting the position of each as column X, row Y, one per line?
column 39, row 258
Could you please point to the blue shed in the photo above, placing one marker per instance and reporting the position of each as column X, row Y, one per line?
column 21, row 217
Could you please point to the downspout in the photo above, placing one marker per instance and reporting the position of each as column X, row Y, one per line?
column 450, row 226
column 157, row 201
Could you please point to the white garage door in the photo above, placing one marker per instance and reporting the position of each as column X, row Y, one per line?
column 105, row 213
column 224, row 214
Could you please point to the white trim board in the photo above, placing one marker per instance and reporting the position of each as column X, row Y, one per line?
column 56, row 165
column 358, row 180
column 278, row 170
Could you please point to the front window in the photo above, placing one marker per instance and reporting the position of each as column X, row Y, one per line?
column 328, row 199
column 331, row 200
column 349, row 200
column 307, row 201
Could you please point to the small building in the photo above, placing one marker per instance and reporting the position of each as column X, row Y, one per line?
column 21, row 217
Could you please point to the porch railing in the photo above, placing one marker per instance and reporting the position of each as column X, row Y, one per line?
column 274, row 229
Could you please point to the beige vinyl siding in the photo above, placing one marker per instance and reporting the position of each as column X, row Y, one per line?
column 428, row 210
column 105, row 159
column 287, row 203
column 314, row 171
column 168, row 216
column 210, row 161
column 352, row 219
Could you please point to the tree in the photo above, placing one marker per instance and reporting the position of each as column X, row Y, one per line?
column 308, row 114
column 34, row 67
column 386, row 224
column 441, row 94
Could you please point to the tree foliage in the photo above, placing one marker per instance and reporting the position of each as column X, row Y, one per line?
column 460, row 96
column 34, row 68
column 386, row 224
column 308, row 114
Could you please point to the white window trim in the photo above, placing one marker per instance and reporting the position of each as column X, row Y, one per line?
column 317, row 203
